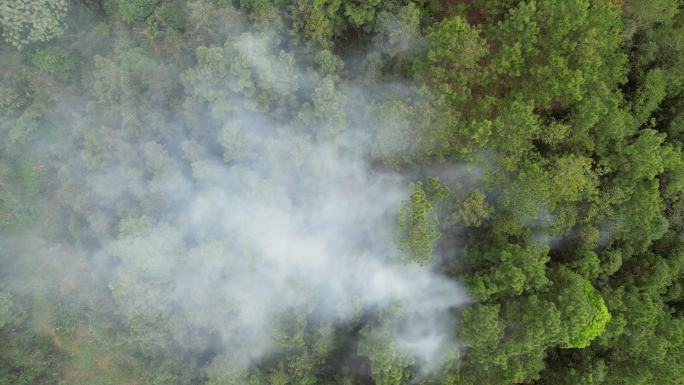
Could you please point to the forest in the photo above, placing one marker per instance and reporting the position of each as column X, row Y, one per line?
column 350, row 192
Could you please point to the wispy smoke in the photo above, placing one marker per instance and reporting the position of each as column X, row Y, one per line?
column 261, row 215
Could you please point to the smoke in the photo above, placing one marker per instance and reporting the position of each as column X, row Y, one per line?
column 290, row 222
column 246, row 215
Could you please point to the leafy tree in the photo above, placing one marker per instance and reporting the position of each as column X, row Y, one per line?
column 514, row 270
column 136, row 11
column 649, row 96
column 417, row 225
column 450, row 66
column 55, row 62
column 573, row 179
column 316, row 20
column 399, row 35
column 389, row 363
column 26, row 22
column 474, row 209
column 582, row 309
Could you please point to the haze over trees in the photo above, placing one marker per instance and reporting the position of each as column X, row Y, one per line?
column 482, row 192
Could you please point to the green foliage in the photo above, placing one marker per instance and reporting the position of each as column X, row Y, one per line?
column 475, row 209
column 316, row 20
column 514, row 270
column 582, row 308
column 390, row 365
column 27, row 356
column 454, row 49
column 649, row 95
column 482, row 327
column 27, row 359
column 399, row 35
column 10, row 100
column 645, row 13
column 573, row 179
column 360, row 12
column 56, row 62
column 136, row 11
column 30, row 21
column 498, row 353
column 450, row 66
column 417, row 226
column 6, row 307
column 20, row 186
column 564, row 227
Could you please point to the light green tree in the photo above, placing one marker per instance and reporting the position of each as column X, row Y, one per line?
column 28, row 21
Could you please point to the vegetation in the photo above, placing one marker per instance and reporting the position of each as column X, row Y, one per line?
column 175, row 174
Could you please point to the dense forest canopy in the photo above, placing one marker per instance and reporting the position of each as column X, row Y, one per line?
column 476, row 192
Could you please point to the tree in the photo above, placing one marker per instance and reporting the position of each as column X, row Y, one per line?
column 417, row 223
column 649, row 95
column 583, row 312
column 509, row 270
column 475, row 209
column 56, row 62
column 450, row 66
column 30, row 21
column 136, row 11
column 390, row 365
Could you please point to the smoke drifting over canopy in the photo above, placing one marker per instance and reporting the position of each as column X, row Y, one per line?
column 247, row 207
column 293, row 222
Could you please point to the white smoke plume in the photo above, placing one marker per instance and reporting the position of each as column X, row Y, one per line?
column 288, row 216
